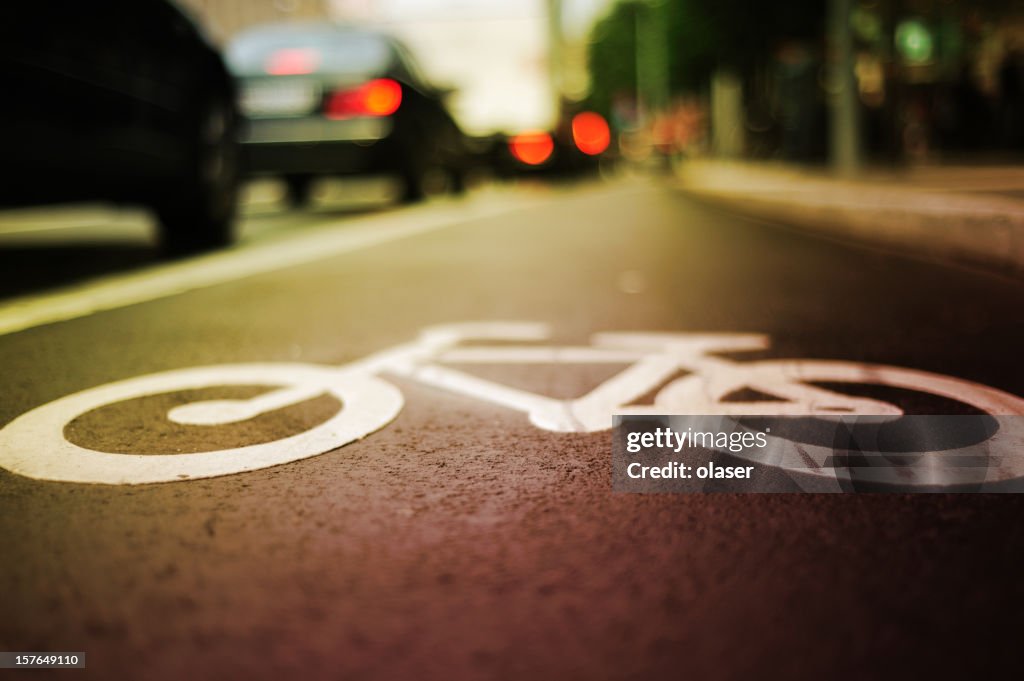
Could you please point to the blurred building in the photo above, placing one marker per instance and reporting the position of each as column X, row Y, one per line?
column 935, row 79
column 493, row 53
column 940, row 75
column 223, row 18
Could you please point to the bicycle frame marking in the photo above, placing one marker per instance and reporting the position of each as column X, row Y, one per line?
column 34, row 444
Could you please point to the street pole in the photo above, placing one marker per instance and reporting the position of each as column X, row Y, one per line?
column 845, row 143
column 641, row 67
column 651, row 56
column 556, row 50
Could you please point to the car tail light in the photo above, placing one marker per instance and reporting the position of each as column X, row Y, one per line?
column 590, row 133
column 531, row 148
column 292, row 61
column 380, row 97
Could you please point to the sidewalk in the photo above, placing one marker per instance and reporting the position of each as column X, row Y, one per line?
column 971, row 215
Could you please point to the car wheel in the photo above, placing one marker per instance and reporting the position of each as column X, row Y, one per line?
column 198, row 213
column 413, row 176
column 456, row 181
column 298, row 190
column 412, row 189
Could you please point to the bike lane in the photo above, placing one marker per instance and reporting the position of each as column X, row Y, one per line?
column 460, row 540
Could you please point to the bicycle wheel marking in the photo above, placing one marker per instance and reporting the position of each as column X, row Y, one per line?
column 694, row 396
column 34, row 445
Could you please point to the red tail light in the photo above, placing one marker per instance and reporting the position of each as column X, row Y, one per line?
column 380, row 97
column 292, row 61
column 590, row 133
column 531, row 148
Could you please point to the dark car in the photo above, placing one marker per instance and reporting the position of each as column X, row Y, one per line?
column 123, row 102
column 325, row 99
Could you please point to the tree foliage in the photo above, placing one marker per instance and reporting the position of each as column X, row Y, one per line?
column 611, row 56
column 700, row 35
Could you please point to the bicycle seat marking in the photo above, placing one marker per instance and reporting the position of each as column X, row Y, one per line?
column 35, row 444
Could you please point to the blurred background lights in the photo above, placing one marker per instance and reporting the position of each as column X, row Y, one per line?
column 532, row 148
column 914, row 41
column 590, row 133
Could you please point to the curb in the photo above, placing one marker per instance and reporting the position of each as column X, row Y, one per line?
column 962, row 228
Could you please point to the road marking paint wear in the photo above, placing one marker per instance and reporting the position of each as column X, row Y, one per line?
column 34, row 444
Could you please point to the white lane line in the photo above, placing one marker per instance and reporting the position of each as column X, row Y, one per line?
column 51, row 218
column 117, row 291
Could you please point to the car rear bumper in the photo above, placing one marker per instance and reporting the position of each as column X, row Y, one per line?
column 316, row 145
column 309, row 129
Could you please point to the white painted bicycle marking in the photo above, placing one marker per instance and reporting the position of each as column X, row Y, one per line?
column 34, row 444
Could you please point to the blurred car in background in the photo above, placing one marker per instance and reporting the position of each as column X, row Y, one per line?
column 577, row 145
column 120, row 101
column 325, row 99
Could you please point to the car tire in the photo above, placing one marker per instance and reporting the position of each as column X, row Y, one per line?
column 198, row 214
column 413, row 176
column 412, row 190
column 456, row 182
column 298, row 190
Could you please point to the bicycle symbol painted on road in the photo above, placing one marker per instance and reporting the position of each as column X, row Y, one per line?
column 35, row 445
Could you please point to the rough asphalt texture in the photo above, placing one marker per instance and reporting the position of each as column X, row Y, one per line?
column 460, row 542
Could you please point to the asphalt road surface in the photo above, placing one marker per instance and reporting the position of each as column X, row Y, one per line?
column 460, row 541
